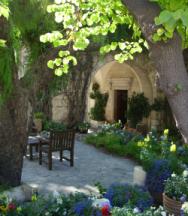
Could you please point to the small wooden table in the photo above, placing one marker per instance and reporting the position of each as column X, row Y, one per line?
column 33, row 142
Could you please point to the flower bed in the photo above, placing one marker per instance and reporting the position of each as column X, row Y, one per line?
column 144, row 150
column 158, row 155
column 117, row 195
column 135, row 196
column 118, row 200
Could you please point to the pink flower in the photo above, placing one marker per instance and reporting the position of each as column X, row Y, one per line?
column 11, row 206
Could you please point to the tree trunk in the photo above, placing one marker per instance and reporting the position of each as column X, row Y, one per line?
column 78, row 82
column 13, row 119
column 169, row 62
column 13, row 135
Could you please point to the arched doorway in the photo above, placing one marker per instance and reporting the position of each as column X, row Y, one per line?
column 120, row 81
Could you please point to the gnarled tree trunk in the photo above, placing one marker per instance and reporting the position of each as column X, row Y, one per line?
column 169, row 62
column 75, row 92
column 13, row 134
column 14, row 113
column 13, row 121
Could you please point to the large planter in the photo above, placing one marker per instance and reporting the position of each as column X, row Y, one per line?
column 172, row 206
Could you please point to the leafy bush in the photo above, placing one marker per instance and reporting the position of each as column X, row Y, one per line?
column 133, row 147
column 98, row 111
column 158, row 105
column 39, row 115
column 136, row 196
column 110, row 141
column 56, row 126
column 182, row 153
column 139, row 108
column 4, row 187
column 83, row 126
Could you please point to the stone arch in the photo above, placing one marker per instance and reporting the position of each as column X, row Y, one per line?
column 108, row 69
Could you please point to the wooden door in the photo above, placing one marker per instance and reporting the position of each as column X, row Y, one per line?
column 120, row 105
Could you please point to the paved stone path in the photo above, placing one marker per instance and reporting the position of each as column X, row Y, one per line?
column 91, row 166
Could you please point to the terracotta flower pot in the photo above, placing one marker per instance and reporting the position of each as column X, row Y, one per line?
column 172, row 206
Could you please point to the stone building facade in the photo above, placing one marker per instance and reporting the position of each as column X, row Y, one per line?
column 120, row 81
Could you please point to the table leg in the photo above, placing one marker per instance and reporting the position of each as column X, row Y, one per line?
column 31, row 152
column 36, row 147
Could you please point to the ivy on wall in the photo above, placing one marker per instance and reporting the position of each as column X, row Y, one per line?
column 98, row 111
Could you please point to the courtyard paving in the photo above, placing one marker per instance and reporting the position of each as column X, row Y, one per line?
column 91, row 166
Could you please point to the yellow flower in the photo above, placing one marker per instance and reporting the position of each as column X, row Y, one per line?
column 34, row 198
column 3, row 208
column 173, row 148
column 166, row 132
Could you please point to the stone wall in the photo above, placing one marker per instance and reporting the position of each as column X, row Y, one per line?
column 135, row 76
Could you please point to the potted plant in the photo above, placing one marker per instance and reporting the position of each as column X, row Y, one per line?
column 83, row 127
column 38, row 118
column 176, row 193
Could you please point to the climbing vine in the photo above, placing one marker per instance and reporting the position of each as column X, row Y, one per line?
column 98, row 111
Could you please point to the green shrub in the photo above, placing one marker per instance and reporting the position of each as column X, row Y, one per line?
column 98, row 111
column 133, row 147
column 39, row 115
column 139, row 108
column 83, row 126
column 56, row 126
column 4, row 187
column 111, row 142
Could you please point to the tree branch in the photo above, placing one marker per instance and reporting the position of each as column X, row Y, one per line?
column 144, row 13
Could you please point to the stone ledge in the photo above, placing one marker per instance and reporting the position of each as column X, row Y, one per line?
column 21, row 193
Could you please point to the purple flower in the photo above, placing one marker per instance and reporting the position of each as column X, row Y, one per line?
column 80, row 207
column 183, row 198
column 157, row 175
column 121, row 194
column 182, row 212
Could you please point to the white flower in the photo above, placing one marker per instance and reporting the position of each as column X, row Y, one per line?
column 136, row 210
column 59, row 201
column 163, row 213
column 185, row 173
column 56, row 194
column 185, row 207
